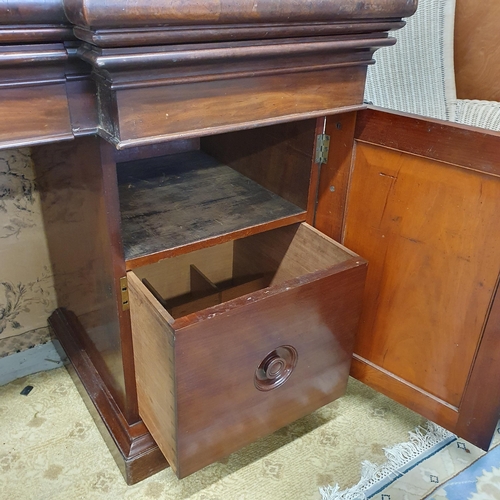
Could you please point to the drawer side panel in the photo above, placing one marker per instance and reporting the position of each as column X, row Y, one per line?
column 153, row 341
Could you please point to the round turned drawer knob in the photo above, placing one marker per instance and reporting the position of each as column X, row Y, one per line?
column 275, row 368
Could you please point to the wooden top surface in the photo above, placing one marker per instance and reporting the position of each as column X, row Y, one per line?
column 130, row 13
column 32, row 12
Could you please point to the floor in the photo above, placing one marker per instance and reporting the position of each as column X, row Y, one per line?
column 51, row 449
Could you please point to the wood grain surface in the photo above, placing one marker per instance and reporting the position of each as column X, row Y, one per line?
column 405, row 393
column 429, row 231
column 82, row 229
column 477, row 51
column 29, row 12
column 429, row 323
column 34, row 115
column 158, row 113
column 288, row 252
column 179, row 200
column 480, row 404
column 171, row 277
column 96, row 14
column 278, row 157
column 195, row 373
column 430, row 138
column 238, row 413
column 130, row 37
column 153, row 340
column 334, row 176
column 34, row 34
column 433, row 267
column 33, row 102
column 82, row 103
column 135, row 452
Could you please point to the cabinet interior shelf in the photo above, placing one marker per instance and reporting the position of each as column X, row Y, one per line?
column 181, row 202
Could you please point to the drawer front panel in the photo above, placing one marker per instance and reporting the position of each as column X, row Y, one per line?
column 148, row 115
column 34, row 115
column 219, row 407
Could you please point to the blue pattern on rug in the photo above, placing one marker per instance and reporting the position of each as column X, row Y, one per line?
column 371, row 492
column 464, row 485
column 424, row 443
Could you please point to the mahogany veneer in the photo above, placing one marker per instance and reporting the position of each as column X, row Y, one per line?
column 34, row 106
column 141, row 13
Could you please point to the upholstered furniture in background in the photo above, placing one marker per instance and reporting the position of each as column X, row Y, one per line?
column 418, row 76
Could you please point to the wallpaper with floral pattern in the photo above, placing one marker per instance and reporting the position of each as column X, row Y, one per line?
column 27, row 295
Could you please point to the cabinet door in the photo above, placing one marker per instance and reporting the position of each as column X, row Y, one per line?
column 423, row 207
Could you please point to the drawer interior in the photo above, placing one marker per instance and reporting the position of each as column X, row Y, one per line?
column 224, row 187
column 197, row 280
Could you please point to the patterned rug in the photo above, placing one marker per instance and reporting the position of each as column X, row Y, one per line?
column 422, row 468
column 480, row 481
column 51, row 449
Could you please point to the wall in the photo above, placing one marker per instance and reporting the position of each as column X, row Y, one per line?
column 27, row 295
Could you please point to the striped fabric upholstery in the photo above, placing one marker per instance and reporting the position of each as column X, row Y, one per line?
column 417, row 75
column 483, row 114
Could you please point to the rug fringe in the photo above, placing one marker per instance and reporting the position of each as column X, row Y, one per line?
column 420, row 440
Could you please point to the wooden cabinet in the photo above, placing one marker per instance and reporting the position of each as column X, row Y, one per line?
column 196, row 222
column 192, row 287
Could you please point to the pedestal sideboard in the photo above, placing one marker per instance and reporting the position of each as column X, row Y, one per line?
column 202, row 166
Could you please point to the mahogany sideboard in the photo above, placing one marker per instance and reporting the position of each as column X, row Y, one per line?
column 212, row 184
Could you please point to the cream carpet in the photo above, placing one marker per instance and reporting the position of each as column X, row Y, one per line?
column 51, row 449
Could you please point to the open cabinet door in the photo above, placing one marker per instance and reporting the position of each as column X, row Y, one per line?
column 423, row 207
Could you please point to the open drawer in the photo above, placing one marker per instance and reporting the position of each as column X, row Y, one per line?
column 235, row 341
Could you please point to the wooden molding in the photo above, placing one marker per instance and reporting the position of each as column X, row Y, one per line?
column 28, row 21
column 157, row 93
column 33, row 102
column 176, row 64
column 34, row 64
column 130, row 37
column 132, row 447
column 35, row 34
column 96, row 14
column 407, row 394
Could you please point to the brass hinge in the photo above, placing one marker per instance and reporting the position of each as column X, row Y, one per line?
column 124, row 293
column 322, row 148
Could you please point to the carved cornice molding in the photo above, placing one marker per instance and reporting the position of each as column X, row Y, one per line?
column 33, row 21
column 133, row 37
column 176, row 64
